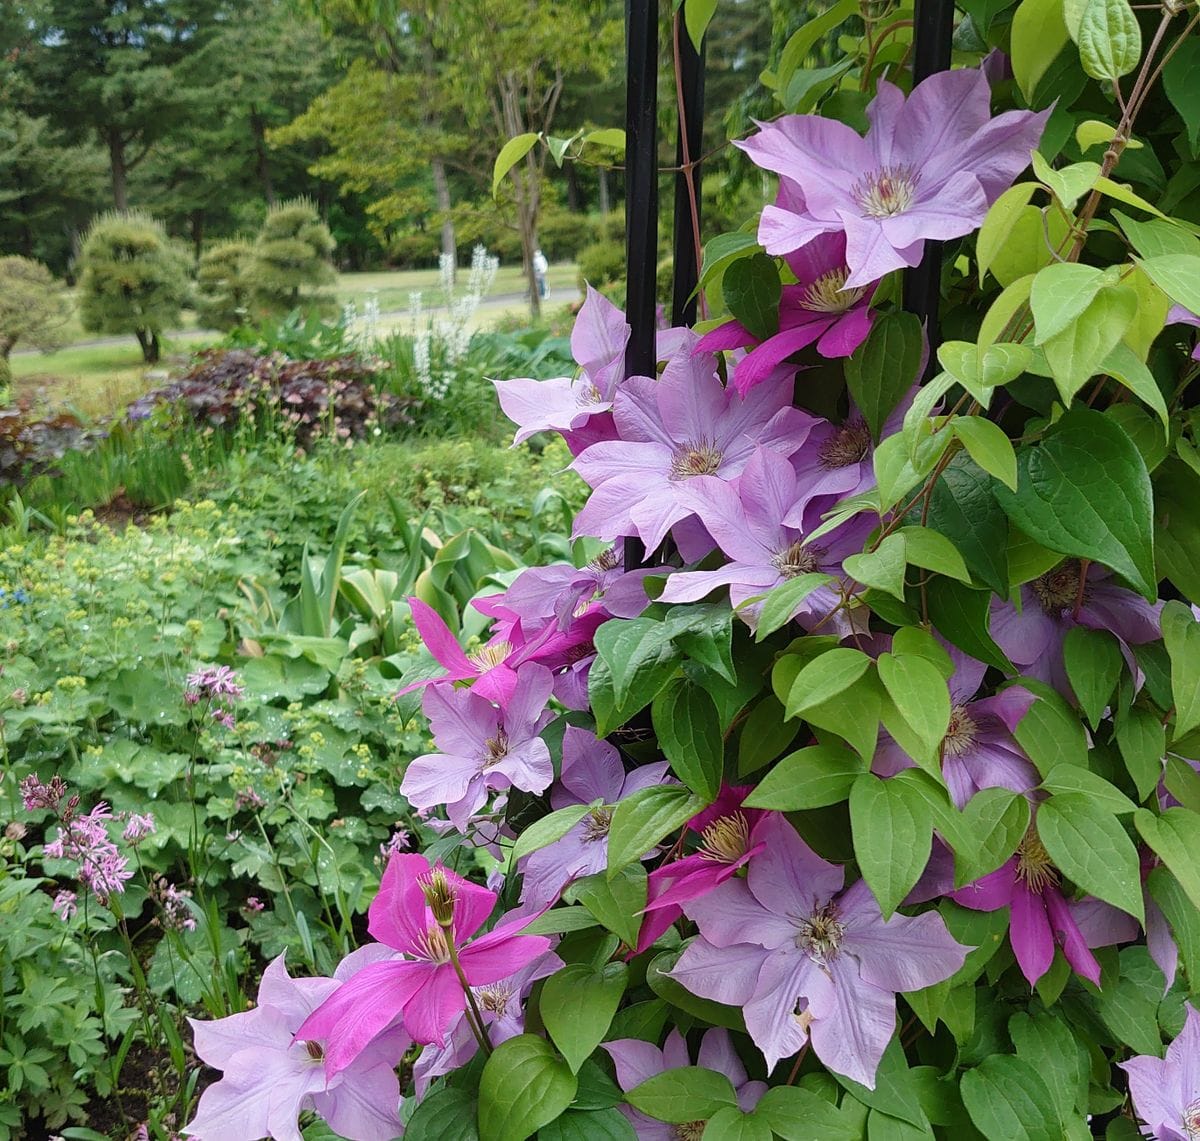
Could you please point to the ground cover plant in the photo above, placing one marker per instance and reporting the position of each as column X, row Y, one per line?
column 867, row 808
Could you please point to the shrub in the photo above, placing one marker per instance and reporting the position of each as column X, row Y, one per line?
column 564, row 233
column 291, row 260
column 222, row 291
column 413, row 250
column 134, row 279
column 32, row 309
column 601, row 263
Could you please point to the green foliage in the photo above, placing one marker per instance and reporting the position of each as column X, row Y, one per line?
column 133, row 279
column 601, row 263
column 32, row 308
column 290, row 261
column 222, row 292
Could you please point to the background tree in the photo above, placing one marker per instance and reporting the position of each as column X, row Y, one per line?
column 134, row 279
column 291, row 259
column 32, row 307
column 222, row 291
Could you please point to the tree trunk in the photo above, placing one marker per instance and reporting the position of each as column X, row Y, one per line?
column 116, row 158
column 151, row 349
column 441, row 190
column 6, row 344
column 261, row 164
column 603, row 193
column 197, row 221
column 526, row 177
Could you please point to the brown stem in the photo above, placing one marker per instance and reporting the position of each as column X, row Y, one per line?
column 688, row 167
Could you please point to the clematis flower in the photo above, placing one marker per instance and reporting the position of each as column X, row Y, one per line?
column 684, row 425
column 637, row 1061
column 816, row 309
column 430, row 915
column 748, row 519
column 1166, row 1091
column 1062, row 598
column 502, row 1006
column 1041, row 917
column 270, row 1076
column 803, row 958
column 591, row 771
column 565, row 404
column 1178, row 315
column 979, row 750
column 729, row 836
column 484, row 747
column 928, row 168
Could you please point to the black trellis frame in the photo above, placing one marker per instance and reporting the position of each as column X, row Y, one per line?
column 933, row 31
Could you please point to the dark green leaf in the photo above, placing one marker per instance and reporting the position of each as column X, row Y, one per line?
column 689, row 734
column 885, row 366
column 752, row 289
column 1175, row 839
column 447, row 1114
column 1181, row 635
column 799, row 1115
column 764, row 735
column 594, row 1125
column 1093, row 661
column 809, row 778
column 961, row 615
column 1006, row 1097
column 689, row 1093
column 1143, row 744
column 615, row 899
column 964, row 508
column 1181, row 81
column 643, row 819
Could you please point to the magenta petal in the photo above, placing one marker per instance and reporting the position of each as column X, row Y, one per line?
column 992, row 892
column 1030, row 934
column 757, row 364
column 500, row 953
column 731, row 335
column 1068, row 936
column 438, row 639
column 846, row 334
column 430, row 1011
column 397, row 915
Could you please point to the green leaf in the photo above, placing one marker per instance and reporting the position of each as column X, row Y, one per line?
column 1181, row 635
column 825, row 677
column 797, row 1114
column 853, row 714
column 765, row 734
column 989, row 447
column 1110, row 41
column 577, row 1007
column 542, row 833
column 752, row 289
column 1047, row 1044
column 643, row 819
column 884, row 367
column 892, row 826
column 639, row 656
column 689, row 734
column 961, row 615
column 594, row 1125
column 1068, row 184
column 609, row 138
column 1143, row 744
column 447, row 1114
column 1078, row 353
column 696, row 17
column 920, row 695
column 723, row 250
column 1050, row 733
column 1129, row 1008
column 964, row 508
column 524, row 1086
column 982, row 370
column 1181, row 82
column 894, row 1093
column 1174, row 836
column 931, row 550
column 561, row 920
column 688, row 1093
column 1001, row 220
column 801, row 43
column 782, row 601
column 882, row 568
column 1177, row 526
column 1084, row 491
column 1178, row 276
column 1124, row 366
column 614, row 899
column 1006, row 1097
column 1039, row 33
column 731, row 1124
column 1074, row 779
column 510, row 154
column 1085, row 840
column 814, row 777
column 1060, row 294
column 1093, row 662
column 1183, row 917
column 992, row 824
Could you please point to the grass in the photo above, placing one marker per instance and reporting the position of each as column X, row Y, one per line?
column 393, row 287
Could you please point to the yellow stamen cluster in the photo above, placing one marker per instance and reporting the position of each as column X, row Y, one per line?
column 886, row 192
column 488, row 657
column 726, row 839
column 1035, row 869
column 702, row 457
column 827, row 295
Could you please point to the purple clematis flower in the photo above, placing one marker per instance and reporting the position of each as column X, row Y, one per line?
column 636, row 1061
column 1053, row 603
column 591, row 771
column 802, row 957
column 566, row 404
column 420, row 911
column 1178, row 315
column 1041, row 917
column 749, row 520
column 729, row 837
column 816, row 309
column 483, row 747
column 502, row 1005
column 270, row 1077
column 671, row 430
column 1166, row 1091
column 929, row 168
column 978, row 750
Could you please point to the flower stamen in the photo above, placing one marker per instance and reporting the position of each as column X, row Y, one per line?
column 701, row 457
column 960, row 734
column 596, row 825
column 820, row 935
column 849, row 445
column 490, row 656
column 1058, row 589
column 726, row 839
column 827, row 295
column 1035, row 868
column 796, row 559
column 886, row 192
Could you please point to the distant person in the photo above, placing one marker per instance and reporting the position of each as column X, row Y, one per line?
column 541, row 267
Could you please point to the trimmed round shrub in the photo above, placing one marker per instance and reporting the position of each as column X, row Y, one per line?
column 222, row 291
column 291, row 260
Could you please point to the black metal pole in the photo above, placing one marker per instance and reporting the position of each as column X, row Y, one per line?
column 688, row 146
column 932, row 35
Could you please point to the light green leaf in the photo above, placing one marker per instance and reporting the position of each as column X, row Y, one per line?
column 577, row 1007
column 689, row 1093
column 797, row 1114
column 1039, row 33
column 1143, row 744
column 991, row 825
column 1050, row 733
column 1178, row 276
column 609, row 138
column 524, row 1086
column 721, row 251
column 782, row 601
column 1006, row 1097
column 1181, row 634
column 853, row 714
column 1085, row 492
column 1123, row 365
column 644, row 818
column 1093, row 661
column 1068, row 184
column 989, row 447
column 696, row 17
column 1001, row 220
column 814, row 777
column 894, row 471
column 689, row 734
column 1060, row 293
column 1078, row 353
column 731, row 1124
column 825, row 677
column 1110, row 41
column 882, row 568
column 614, row 899
column 1076, row 779
column 545, row 831
column 1174, row 836
column 892, row 826
column 798, row 48
column 932, row 551
column 1090, row 846
column 510, row 154
column 982, row 370
column 919, row 693
column 885, row 366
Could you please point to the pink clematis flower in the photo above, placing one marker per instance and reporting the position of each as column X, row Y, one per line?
column 637, row 1061
column 484, row 747
column 1166, row 1091
column 816, row 309
column 271, row 1076
column 1041, row 917
column 929, row 168
column 729, row 836
column 683, row 425
column 803, row 958
column 429, row 915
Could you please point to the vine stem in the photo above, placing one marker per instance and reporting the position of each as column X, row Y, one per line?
column 474, row 1015
column 687, row 168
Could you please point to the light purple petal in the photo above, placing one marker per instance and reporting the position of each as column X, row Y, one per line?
column 785, row 980
column 724, row 974
column 788, row 877
column 729, row 915
column 850, row 1034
